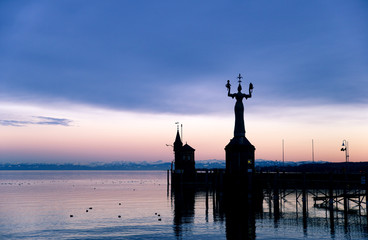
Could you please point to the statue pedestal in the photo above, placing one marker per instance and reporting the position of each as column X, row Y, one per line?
column 239, row 156
column 240, row 169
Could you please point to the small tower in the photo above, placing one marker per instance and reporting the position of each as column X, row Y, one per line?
column 178, row 145
column 187, row 153
column 184, row 157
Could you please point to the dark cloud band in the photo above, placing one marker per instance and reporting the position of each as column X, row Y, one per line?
column 39, row 120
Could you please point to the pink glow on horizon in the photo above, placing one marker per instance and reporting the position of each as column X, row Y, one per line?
column 103, row 135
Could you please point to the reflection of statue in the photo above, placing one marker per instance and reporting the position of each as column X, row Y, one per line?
column 239, row 130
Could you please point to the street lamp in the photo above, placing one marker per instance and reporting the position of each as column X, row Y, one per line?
column 345, row 148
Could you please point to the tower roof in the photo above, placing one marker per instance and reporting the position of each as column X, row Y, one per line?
column 178, row 139
column 178, row 143
column 186, row 147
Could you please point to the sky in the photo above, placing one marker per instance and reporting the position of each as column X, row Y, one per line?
column 86, row 81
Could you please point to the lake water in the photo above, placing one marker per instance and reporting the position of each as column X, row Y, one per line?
column 139, row 205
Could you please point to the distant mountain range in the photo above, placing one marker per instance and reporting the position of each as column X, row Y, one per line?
column 261, row 166
column 158, row 165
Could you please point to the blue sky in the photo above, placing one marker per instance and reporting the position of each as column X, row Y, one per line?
column 174, row 57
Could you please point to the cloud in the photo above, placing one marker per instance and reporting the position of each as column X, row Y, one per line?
column 160, row 52
column 14, row 123
column 53, row 121
column 39, row 120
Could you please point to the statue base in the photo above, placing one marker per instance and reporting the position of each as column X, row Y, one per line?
column 239, row 156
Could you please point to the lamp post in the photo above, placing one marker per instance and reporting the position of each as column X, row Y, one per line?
column 345, row 148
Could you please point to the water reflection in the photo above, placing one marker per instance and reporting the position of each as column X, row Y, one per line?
column 184, row 203
column 240, row 217
column 290, row 219
column 37, row 205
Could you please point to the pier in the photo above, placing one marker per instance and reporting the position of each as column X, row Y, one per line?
column 241, row 189
column 328, row 190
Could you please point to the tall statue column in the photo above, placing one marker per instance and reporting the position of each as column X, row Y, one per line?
column 239, row 129
column 239, row 151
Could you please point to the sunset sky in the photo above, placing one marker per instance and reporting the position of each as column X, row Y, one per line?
column 84, row 81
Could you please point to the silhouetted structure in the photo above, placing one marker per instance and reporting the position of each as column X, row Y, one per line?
column 239, row 151
column 239, row 193
column 340, row 196
column 184, row 159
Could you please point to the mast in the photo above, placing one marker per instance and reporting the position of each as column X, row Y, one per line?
column 283, row 153
column 312, row 151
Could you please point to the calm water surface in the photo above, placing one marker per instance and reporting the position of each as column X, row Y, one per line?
column 139, row 205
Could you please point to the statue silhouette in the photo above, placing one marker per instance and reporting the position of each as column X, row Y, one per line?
column 239, row 129
column 239, row 151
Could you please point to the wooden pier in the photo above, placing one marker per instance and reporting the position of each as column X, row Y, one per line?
column 334, row 191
